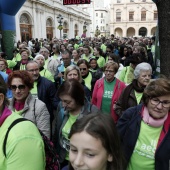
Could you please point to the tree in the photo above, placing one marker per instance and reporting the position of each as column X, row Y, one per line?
column 163, row 7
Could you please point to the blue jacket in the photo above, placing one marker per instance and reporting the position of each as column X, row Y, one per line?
column 47, row 94
column 129, row 127
column 61, row 117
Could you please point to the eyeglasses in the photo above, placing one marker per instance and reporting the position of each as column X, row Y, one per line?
column 156, row 101
column 20, row 87
column 36, row 70
column 84, row 69
column 109, row 71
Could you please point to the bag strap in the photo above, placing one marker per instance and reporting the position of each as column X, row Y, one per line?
column 9, row 128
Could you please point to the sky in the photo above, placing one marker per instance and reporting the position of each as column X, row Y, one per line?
column 106, row 2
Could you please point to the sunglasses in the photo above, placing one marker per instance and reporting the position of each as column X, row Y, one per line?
column 84, row 69
column 20, row 87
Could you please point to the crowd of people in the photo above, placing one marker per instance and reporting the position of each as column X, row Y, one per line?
column 96, row 99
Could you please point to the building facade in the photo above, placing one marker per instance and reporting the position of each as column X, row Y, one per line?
column 133, row 18
column 38, row 19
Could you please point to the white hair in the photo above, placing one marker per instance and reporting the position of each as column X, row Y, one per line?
column 141, row 67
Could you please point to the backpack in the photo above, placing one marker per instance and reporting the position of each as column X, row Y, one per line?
column 52, row 162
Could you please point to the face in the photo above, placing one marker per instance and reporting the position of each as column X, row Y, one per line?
column 83, row 69
column 24, row 56
column 86, row 51
column 40, row 61
column 33, row 70
column 72, row 75
column 21, row 92
column 44, row 53
column 158, row 111
column 2, row 66
column 75, row 54
column 68, row 103
column 93, row 64
column 144, row 78
column 109, row 74
column 96, row 52
column 125, row 51
column 66, row 59
column 87, row 152
column 110, row 58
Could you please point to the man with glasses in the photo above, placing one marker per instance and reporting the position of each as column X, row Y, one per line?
column 145, row 130
column 66, row 58
column 44, row 89
column 50, row 64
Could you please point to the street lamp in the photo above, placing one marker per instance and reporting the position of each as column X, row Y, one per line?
column 60, row 21
column 97, row 33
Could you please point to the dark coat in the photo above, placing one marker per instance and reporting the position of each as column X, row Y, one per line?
column 129, row 127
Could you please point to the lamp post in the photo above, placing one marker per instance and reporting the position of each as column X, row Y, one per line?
column 60, row 21
column 97, row 33
column 84, row 29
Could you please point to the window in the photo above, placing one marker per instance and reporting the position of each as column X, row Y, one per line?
column 143, row 15
column 143, row 0
column 118, row 1
column 118, row 15
column 96, row 14
column 131, row 16
column 155, row 15
column 131, row 0
column 101, row 15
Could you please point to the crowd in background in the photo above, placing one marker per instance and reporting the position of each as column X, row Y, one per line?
column 61, row 83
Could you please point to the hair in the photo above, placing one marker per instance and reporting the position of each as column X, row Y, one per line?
column 156, row 88
column 70, row 68
column 102, row 127
column 74, row 89
column 44, row 48
column 83, row 61
column 88, row 47
column 99, row 50
column 25, row 50
column 111, row 64
column 3, row 90
column 5, row 62
column 57, row 48
column 23, row 75
column 114, row 57
column 31, row 61
column 67, row 52
column 37, row 56
column 141, row 67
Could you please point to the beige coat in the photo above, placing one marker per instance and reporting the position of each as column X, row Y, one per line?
column 36, row 111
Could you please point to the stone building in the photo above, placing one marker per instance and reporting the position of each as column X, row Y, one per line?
column 133, row 18
column 38, row 19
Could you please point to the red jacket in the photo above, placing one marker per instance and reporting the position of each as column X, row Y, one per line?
column 98, row 94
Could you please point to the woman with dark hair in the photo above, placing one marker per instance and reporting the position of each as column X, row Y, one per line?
column 87, row 53
column 98, row 53
column 95, row 144
column 26, row 105
column 56, row 52
column 24, row 148
column 76, row 56
column 145, row 131
column 71, row 107
column 123, row 54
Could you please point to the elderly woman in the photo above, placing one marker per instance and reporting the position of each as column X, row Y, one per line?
column 24, row 104
column 145, row 131
column 132, row 94
column 43, row 71
column 108, row 89
column 73, row 72
column 72, row 107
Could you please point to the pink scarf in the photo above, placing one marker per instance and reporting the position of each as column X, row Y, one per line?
column 19, row 105
column 4, row 115
column 151, row 121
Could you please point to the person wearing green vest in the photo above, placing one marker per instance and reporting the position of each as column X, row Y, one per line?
column 144, row 129
column 24, row 144
column 98, row 55
column 85, row 73
column 87, row 53
column 73, row 105
column 43, row 72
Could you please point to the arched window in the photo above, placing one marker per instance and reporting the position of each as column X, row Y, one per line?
column 25, row 27
column 49, row 29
